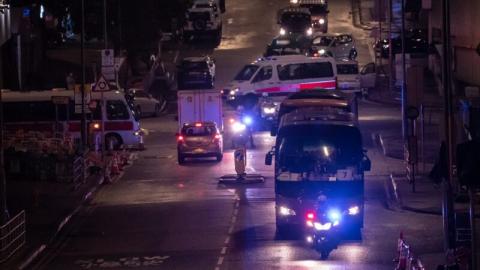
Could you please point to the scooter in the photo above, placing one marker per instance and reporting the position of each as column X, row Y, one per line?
column 323, row 229
column 242, row 131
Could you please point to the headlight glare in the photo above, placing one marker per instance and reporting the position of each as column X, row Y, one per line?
column 321, row 21
column 354, row 210
column 322, row 227
column 282, row 32
column 285, row 211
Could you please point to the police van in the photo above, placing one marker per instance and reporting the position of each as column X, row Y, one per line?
column 41, row 111
column 280, row 76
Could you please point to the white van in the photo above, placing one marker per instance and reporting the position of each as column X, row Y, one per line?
column 348, row 76
column 35, row 111
column 281, row 75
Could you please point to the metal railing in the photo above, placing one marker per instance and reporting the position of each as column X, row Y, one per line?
column 12, row 236
column 79, row 170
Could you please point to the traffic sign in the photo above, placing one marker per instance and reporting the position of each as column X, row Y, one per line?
column 108, row 58
column 101, row 85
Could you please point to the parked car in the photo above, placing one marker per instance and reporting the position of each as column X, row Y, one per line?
column 144, row 104
column 338, row 46
column 203, row 18
column 416, row 42
column 348, row 76
column 287, row 45
column 199, row 139
column 196, row 72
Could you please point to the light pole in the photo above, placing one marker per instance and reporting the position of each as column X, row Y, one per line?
column 447, row 205
column 105, row 23
column 404, row 75
column 83, row 121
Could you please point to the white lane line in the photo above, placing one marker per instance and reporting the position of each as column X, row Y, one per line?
column 230, row 230
column 224, row 250
column 220, row 260
column 227, row 240
column 235, row 212
column 234, row 219
column 217, row 268
column 177, row 52
column 230, row 20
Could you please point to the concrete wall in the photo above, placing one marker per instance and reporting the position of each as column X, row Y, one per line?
column 465, row 33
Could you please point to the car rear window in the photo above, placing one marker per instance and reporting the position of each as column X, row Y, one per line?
column 347, row 69
column 194, row 65
column 199, row 131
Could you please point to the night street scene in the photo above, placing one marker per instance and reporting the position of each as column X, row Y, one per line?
column 240, row 134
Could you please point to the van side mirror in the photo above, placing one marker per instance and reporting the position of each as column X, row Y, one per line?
column 366, row 164
column 269, row 158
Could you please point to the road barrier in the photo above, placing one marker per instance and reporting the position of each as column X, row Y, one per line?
column 406, row 259
column 12, row 236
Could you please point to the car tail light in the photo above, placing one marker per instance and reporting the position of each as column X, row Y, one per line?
column 310, row 215
column 216, row 138
column 180, row 138
column 198, row 124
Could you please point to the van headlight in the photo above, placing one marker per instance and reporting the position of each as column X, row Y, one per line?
column 269, row 110
column 354, row 210
column 282, row 32
column 309, row 31
column 285, row 211
column 321, row 21
column 234, row 91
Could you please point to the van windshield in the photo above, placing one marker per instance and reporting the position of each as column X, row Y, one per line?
column 310, row 152
column 246, row 73
column 302, row 71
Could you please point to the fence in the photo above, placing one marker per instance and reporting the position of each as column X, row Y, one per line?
column 12, row 236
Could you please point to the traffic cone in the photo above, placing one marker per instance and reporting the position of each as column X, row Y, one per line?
column 402, row 260
column 399, row 247
column 114, row 169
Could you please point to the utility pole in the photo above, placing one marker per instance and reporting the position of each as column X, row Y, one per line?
column 391, row 59
column 447, row 204
column 83, row 121
column 404, row 82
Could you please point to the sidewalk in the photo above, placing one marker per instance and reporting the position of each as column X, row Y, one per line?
column 48, row 207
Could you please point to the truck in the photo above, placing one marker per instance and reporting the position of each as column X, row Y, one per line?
column 199, row 106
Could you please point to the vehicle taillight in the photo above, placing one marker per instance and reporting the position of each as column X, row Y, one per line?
column 198, row 124
column 216, row 138
column 180, row 138
column 310, row 215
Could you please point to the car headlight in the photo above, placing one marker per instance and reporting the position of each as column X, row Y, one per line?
column 285, row 211
column 321, row 51
column 238, row 127
column 269, row 110
column 294, row 1
column 137, row 133
column 354, row 210
column 309, row 31
column 282, row 32
column 232, row 92
column 321, row 21
column 322, row 227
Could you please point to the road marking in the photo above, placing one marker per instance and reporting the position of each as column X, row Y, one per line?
column 230, row 20
column 217, row 268
column 235, row 212
column 220, row 260
column 177, row 52
column 224, row 250
column 234, row 219
column 230, row 230
column 227, row 240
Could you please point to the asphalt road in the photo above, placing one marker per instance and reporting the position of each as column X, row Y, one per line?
column 160, row 215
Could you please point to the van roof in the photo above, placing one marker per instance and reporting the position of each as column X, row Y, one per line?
column 293, row 59
column 308, row 2
column 304, row 116
column 15, row 96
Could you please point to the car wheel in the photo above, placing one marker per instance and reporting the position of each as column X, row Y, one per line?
column 219, row 157
column 138, row 111
column 113, row 140
column 156, row 112
column 180, row 159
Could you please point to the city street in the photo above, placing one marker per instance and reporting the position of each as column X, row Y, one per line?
column 161, row 215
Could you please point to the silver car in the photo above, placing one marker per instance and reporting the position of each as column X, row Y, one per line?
column 200, row 139
column 339, row 46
